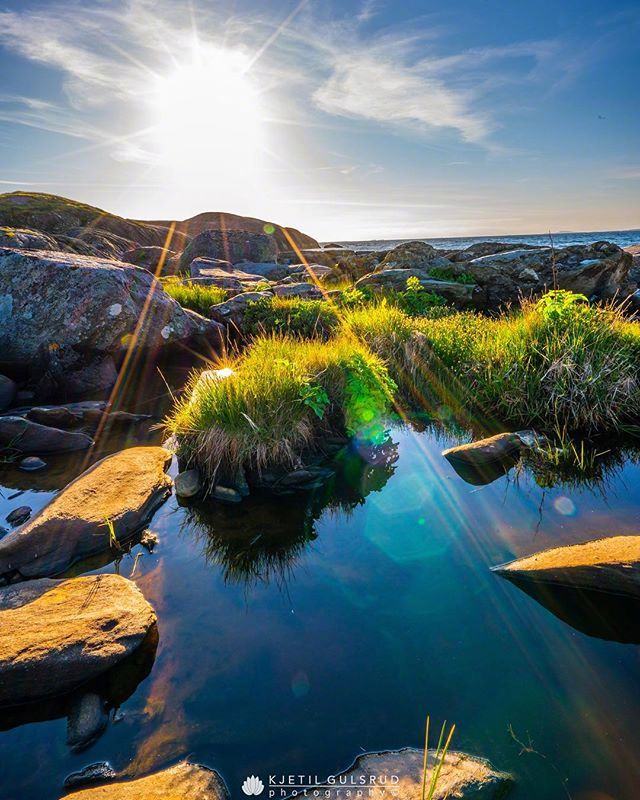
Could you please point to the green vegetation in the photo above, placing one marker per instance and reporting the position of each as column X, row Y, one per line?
column 414, row 300
column 442, row 748
column 194, row 295
column 447, row 274
column 281, row 398
column 294, row 316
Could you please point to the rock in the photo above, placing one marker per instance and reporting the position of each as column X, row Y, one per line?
column 229, row 245
column 8, row 391
column 610, row 565
column 32, row 464
column 126, row 488
column 87, row 721
column 184, row 781
column 149, row 540
column 214, row 276
column 30, row 437
column 268, row 270
column 599, row 270
column 485, row 451
column 397, row 775
column 18, row 515
column 187, row 484
column 75, row 311
column 154, row 258
column 231, row 312
column 211, row 332
column 21, row 239
column 306, row 291
column 411, row 255
column 56, row 635
column 226, row 494
column 198, row 265
column 460, row 295
column 485, row 249
column 327, row 256
column 3, row 531
column 318, row 271
column 93, row 773
column 90, row 413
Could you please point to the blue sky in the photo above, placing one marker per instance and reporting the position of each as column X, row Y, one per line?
column 370, row 119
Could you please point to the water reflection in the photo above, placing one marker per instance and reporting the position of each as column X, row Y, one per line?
column 263, row 538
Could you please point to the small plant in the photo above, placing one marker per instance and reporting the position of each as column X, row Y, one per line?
column 447, row 274
column 194, row 296
column 415, row 301
column 315, row 397
column 114, row 544
column 440, row 754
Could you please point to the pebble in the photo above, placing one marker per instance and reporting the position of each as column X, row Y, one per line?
column 226, row 494
column 18, row 515
column 32, row 463
column 187, row 483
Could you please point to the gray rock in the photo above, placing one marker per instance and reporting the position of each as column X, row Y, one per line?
column 226, row 494
column 236, row 281
column 306, row 291
column 30, row 437
column 56, row 635
column 398, row 775
column 203, row 265
column 87, row 720
column 125, row 488
column 231, row 246
column 8, row 391
column 18, row 515
column 187, row 484
column 411, row 255
column 32, row 464
column 93, row 773
column 318, row 271
column 22, row 239
column 78, row 309
column 268, row 270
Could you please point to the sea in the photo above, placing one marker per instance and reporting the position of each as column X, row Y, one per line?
column 559, row 240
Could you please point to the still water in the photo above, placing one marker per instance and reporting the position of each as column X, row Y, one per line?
column 298, row 631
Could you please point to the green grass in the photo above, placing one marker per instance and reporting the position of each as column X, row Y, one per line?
column 193, row 295
column 282, row 397
column 293, row 316
column 448, row 274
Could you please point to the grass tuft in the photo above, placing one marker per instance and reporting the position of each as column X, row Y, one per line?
column 194, row 295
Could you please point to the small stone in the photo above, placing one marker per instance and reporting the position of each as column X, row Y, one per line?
column 93, row 773
column 32, row 464
column 18, row 515
column 226, row 494
column 187, row 483
column 86, row 721
column 149, row 540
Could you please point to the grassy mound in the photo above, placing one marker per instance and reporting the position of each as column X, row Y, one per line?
column 278, row 400
column 194, row 295
column 293, row 316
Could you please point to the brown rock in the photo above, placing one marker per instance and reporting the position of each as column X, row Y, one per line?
column 495, row 448
column 462, row 776
column 32, row 438
column 606, row 565
column 184, row 781
column 58, row 634
column 126, row 489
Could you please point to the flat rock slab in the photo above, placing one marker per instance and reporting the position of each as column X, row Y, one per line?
column 184, row 781
column 609, row 565
column 126, row 489
column 58, row 634
column 32, row 438
column 398, row 774
column 494, row 449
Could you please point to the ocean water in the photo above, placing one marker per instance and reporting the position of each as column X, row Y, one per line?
column 621, row 238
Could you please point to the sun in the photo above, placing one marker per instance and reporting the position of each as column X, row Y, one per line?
column 208, row 113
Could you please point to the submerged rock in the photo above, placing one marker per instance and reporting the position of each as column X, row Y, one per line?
column 30, row 437
column 87, row 720
column 18, row 515
column 32, row 464
column 58, row 634
column 610, row 565
column 93, row 773
column 183, row 781
column 126, row 489
column 397, row 775
column 226, row 494
column 8, row 391
column 187, row 484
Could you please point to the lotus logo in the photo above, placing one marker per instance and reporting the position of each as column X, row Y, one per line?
column 253, row 785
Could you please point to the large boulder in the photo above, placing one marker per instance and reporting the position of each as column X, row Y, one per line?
column 610, row 565
column 267, row 270
column 599, row 271
column 98, row 511
column 58, row 634
column 31, row 438
column 183, row 781
column 158, row 260
column 205, row 271
column 229, row 245
column 479, row 249
column 71, row 316
column 411, row 255
column 398, row 775
column 21, row 239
